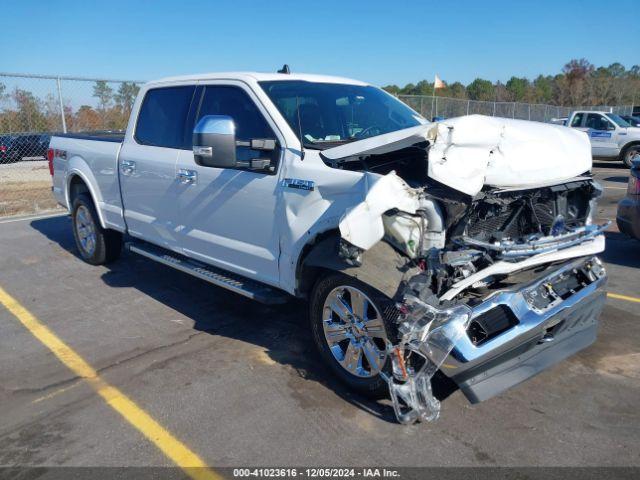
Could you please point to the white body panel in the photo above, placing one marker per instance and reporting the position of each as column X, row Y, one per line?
column 149, row 191
column 96, row 163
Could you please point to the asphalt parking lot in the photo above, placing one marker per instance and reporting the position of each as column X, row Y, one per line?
column 238, row 383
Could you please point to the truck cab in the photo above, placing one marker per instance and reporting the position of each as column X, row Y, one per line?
column 611, row 136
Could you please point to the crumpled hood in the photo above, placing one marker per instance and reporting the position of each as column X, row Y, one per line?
column 469, row 152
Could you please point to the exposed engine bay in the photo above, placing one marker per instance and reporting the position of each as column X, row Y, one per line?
column 465, row 248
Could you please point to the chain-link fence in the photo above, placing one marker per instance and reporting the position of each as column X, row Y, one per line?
column 34, row 107
column 442, row 107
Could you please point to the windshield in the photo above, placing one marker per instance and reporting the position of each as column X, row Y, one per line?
column 633, row 121
column 621, row 122
column 328, row 114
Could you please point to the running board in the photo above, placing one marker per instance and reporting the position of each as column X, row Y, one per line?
column 221, row 278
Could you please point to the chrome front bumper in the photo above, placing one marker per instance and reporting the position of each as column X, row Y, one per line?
column 543, row 334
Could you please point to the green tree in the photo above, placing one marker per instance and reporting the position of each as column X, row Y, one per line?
column 126, row 96
column 392, row 89
column 543, row 89
column 616, row 70
column 481, row 89
column 423, row 87
column 456, row 90
column 517, row 88
column 104, row 93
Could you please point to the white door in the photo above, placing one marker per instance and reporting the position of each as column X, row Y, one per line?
column 147, row 163
column 228, row 216
column 602, row 134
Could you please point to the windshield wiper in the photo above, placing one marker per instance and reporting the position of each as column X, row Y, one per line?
column 322, row 144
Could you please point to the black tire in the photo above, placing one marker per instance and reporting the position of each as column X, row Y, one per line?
column 107, row 243
column 628, row 153
column 374, row 386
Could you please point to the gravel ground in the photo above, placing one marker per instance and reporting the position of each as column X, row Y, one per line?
column 25, row 187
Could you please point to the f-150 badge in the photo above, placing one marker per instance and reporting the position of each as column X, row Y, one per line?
column 298, row 183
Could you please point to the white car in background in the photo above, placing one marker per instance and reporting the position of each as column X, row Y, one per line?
column 611, row 136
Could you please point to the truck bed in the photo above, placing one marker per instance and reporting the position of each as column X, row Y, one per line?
column 93, row 158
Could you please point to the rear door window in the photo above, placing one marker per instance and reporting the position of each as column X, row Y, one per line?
column 163, row 115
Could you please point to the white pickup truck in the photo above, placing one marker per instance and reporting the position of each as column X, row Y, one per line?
column 463, row 248
column 611, row 136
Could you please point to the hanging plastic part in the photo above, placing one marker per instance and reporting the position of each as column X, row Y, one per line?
column 427, row 336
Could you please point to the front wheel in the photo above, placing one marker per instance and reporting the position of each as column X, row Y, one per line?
column 97, row 246
column 350, row 332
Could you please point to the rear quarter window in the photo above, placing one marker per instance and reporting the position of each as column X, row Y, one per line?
column 162, row 118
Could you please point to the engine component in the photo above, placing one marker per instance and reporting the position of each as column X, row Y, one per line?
column 517, row 216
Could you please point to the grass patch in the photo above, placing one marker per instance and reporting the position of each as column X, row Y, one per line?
column 19, row 198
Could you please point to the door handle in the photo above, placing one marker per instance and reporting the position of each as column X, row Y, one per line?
column 128, row 167
column 187, row 177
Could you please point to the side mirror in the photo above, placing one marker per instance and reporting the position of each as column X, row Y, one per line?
column 214, row 142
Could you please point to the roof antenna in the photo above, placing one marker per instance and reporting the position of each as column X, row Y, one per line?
column 285, row 69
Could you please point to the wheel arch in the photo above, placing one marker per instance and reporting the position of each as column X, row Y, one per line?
column 382, row 268
column 77, row 184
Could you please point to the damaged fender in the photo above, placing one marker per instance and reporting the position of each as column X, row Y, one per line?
column 362, row 225
column 381, row 267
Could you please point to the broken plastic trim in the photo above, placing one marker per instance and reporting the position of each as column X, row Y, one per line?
column 429, row 334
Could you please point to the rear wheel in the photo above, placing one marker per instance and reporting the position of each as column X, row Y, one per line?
column 629, row 153
column 96, row 245
column 350, row 332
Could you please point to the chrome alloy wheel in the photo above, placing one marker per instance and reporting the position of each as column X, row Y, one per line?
column 354, row 330
column 86, row 230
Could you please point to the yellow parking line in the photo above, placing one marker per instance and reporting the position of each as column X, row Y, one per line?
column 623, row 297
column 173, row 448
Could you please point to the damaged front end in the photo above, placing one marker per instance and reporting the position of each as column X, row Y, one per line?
column 502, row 282
column 490, row 343
column 427, row 336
